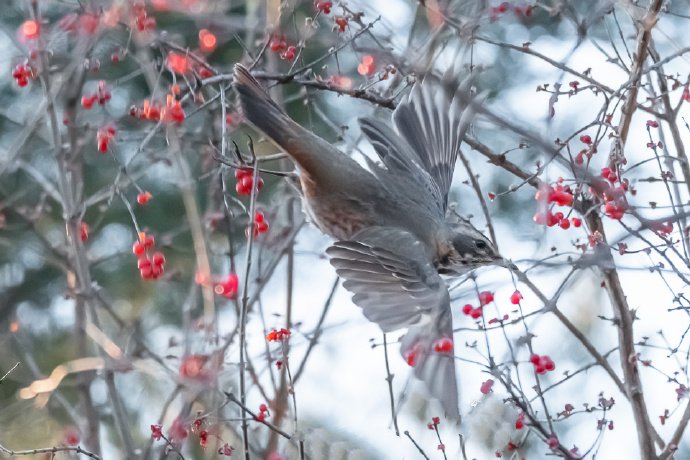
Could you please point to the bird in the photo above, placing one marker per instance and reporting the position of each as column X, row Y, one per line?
column 394, row 232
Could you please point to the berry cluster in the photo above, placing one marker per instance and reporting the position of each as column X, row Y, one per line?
column 278, row 335
column 245, row 181
column 263, row 412
column 341, row 23
column 485, row 298
column 144, row 197
column 586, row 139
column 542, row 364
column 102, row 96
column 173, row 111
column 323, row 6
column 150, row 267
column 142, row 21
column 435, row 422
column 104, row 137
column 260, row 225
column 367, row 66
column 615, row 203
column 520, row 10
column 555, row 195
column 178, row 433
column 23, row 72
column 278, row 44
column 147, row 112
column 227, row 288
column 443, row 345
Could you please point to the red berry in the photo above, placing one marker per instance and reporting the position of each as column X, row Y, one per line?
column 156, row 271
column 577, row 222
column 71, row 436
column 149, row 241
column 158, row 259
column 143, row 198
column 586, row 139
column 263, row 408
column 145, row 272
column 289, row 54
column 476, row 313
column 143, row 263
column 467, row 309
column 138, row 248
column 515, row 298
column 87, row 101
column 341, row 22
column 278, row 44
column 241, row 172
column 228, row 289
column 156, row 432
column 534, row 359
column 485, row 298
column 410, row 358
column 565, row 224
column 443, row 345
column 84, row 231
column 324, row 6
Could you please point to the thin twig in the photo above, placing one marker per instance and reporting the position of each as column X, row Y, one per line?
column 389, row 380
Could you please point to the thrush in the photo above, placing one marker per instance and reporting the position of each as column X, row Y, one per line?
column 395, row 235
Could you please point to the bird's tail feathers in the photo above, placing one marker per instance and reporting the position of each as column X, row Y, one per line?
column 429, row 349
column 261, row 111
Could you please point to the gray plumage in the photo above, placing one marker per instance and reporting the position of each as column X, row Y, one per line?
column 390, row 221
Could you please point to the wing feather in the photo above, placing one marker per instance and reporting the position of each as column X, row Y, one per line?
column 392, row 280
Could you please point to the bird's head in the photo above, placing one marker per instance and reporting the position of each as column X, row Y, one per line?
column 464, row 249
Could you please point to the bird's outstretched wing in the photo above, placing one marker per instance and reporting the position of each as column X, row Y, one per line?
column 389, row 273
column 403, row 172
column 433, row 119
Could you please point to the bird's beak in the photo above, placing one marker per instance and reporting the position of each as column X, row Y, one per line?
column 502, row 262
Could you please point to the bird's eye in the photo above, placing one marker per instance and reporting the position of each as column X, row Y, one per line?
column 480, row 244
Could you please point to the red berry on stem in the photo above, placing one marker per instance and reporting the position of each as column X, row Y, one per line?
column 515, row 298
column 443, row 345
column 158, row 258
column 144, row 197
column 485, row 297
